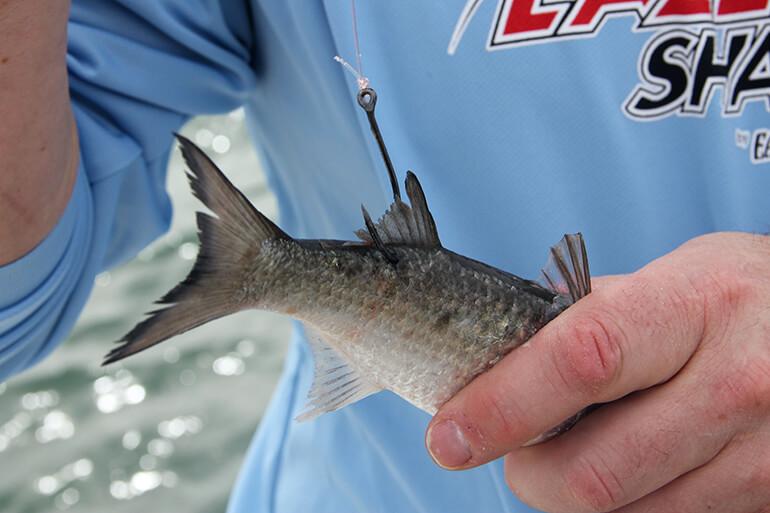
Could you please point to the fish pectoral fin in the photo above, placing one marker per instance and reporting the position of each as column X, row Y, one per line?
column 404, row 224
column 335, row 382
column 566, row 273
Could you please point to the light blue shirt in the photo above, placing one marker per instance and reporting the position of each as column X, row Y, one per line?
column 514, row 146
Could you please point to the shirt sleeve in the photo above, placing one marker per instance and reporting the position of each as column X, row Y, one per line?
column 137, row 71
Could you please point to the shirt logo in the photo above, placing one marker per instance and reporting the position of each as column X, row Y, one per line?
column 696, row 46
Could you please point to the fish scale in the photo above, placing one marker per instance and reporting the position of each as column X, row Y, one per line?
column 425, row 352
column 394, row 310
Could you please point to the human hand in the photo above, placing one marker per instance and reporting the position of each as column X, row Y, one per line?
column 680, row 348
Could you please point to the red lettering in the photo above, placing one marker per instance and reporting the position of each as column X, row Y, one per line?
column 739, row 6
column 522, row 19
column 680, row 7
column 589, row 13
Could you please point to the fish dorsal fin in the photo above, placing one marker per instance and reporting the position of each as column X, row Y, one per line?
column 423, row 220
column 335, row 382
column 404, row 224
column 375, row 238
column 566, row 272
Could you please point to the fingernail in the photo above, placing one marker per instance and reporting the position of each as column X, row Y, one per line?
column 447, row 445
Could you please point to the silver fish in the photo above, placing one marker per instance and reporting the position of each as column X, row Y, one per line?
column 394, row 310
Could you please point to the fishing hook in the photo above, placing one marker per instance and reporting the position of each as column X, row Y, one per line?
column 367, row 99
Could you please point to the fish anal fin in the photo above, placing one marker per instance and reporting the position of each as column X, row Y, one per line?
column 410, row 225
column 566, row 273
column 335, row 383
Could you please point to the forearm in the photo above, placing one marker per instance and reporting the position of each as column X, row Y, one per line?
column 38, row 150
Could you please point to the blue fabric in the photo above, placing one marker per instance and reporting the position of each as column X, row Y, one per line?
column 513, row 147
column 130, row 89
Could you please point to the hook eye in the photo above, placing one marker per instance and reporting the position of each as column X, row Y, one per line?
column 367, row 99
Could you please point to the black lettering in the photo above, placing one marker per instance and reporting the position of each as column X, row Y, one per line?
column 759, row 142
column 744, row 86
column 665, row 71
column 708, row 69
column 672, row 72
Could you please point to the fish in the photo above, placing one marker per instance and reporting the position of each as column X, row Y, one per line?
column 393, row 310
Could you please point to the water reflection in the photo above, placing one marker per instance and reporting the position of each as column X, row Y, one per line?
column 188, row 251
column 220, row 144
column 179, row 426
column 68, row 497
column 14, row 428
column 41, row 399
column 203, row 137
column 79, row 470
column 229, row 365
column 131, row 439
column 114, row 392
column 160, row 447
column 57, row 425
column 103, row 279
column 142, row 482
column 171, row 354
column 117, row 439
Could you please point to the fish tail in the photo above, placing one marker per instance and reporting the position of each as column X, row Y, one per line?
column 567, row 272
column 213, row 287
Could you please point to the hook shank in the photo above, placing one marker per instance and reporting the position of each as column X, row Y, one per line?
column 367, row 99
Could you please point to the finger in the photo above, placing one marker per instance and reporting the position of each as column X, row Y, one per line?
column 736, row 481
column 629, row 335
column 623, row 451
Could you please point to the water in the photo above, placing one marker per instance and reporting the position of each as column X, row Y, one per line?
column 165, row 430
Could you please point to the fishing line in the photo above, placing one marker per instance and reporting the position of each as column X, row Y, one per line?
column 357, row 72
column 355, row 38
column 367, row 100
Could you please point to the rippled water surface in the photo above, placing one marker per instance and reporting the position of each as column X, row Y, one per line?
column 165, row 430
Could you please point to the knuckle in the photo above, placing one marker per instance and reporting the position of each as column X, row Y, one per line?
column 510, row 478
column 746, row 389
column 593, row 485
column 718, row 285
column 724, row 290
column 758, row 477
column 524, row 491
column 503, row 419
column 589, row 354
